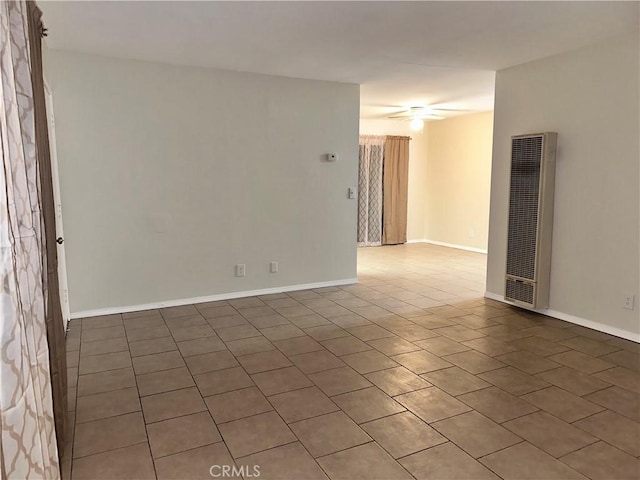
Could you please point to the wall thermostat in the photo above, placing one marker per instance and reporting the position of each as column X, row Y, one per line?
column 332, row 157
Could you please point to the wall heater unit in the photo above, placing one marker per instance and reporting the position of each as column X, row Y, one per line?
column 533, row 166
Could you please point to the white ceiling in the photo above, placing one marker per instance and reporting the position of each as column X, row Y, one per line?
column 403, row 53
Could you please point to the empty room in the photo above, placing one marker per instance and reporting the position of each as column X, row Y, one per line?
column 320, row 240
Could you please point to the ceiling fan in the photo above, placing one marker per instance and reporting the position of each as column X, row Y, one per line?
column 418, row 114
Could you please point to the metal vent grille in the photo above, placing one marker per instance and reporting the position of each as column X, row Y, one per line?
column 526, row 154
column 519, row 290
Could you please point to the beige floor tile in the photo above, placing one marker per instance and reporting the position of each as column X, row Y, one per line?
column 550, row 333
column 432, row 404
column 345, row 345
column 164, row 381
column 539, row 346
column 237, row 404
column 227, row 321
column 562, row 404
column 329, row 433
column 73, row 358
column 302, row 404
column 238, row 332
column 369, row 361
column 220, row 381
column 106, row 381
column 619, row 400
column 140, row 313
column 217, row 311
column 99, row 347
column 256, row 433
column 367, row 404
column 414, row 333
column 199, row 346
column 248, row 302
column 476, row 434
column 395, row 381
column 102, row 321
column 339, row 380
column 186, row 322
column 582, row 362
column 129, row 462
column 455, row 381
column 72, row 377
column 624, row 358
column 180, row 311
column 496, row 404
column 255, row 312
column 365, row 461
column 446, row 462
column 622, row 377
column 393, row 345
column 104, row 362
column 403, row 434
column 490, row 346
column 149, row 347
column 308, row 321
column 295, row 311
column 72, row 395
column 104, row 333
column 108, row 434
column 157, row 362
column 550, row 434
column 421, row 361
column 316, row 361
column 246, row 346
column 513, row 380
column 615, row 429
column 298, row 345
column 282, row 332
column 588, row 346
column 442, row 346
column 459, row 333
column 108, row 404
column 181, row 434
column 172, row 404
column 149, row 333
column 326, row 332
column 474, row 362
column 264, row 361
column 290, row 461
column 196, row 464
column 280, row 381
column 369, row 332
column 350, row 320
column 524, row 461
column 269, row 321
column 528, row 362
column 602, row 461
column 73, row 344
column 192, row 333
column 143, row 322
column 573, row 381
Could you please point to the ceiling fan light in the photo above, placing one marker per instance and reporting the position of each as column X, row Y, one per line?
column 416, row 124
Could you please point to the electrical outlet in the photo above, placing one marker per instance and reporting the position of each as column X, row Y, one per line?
column 273, row 267
column 629, row 302
column 240, row 270
column 472, row 233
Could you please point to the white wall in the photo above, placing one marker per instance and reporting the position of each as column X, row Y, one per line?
column 458, row 180
column 417, row 167
column 590, row 97
column 171, row 175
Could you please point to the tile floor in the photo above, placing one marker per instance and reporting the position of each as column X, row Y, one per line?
column 408, row 374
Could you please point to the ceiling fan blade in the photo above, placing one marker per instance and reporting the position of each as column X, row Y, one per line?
column 401, row 115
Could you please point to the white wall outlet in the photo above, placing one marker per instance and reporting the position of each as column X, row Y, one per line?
column 351, row 193
column 629, row 302
column 332, row 157
column 273, row 267
column 240, row 270
column 472, row 233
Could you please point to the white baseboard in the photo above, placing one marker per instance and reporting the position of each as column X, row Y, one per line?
column 618, row 332
column 210, row 298
column 419, row 240
column 452, row 245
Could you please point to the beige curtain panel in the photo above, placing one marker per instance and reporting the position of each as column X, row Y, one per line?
column 395, row 188
column 28, row 447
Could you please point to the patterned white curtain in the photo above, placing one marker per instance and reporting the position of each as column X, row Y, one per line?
column 28, row 444
column 370, row 190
